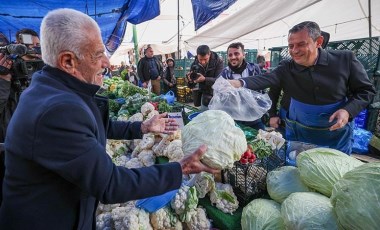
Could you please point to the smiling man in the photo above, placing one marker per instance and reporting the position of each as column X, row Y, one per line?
column 57, row 168
column 328, row 89
column 238, row 68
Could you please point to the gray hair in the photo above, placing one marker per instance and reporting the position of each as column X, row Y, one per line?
column 64, row 30
column 312, row 28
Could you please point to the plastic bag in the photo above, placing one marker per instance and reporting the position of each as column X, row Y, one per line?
column 241, row 104
column 362, row 138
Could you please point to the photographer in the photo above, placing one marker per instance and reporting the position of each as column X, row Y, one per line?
column 11, row 85
column 205, row 69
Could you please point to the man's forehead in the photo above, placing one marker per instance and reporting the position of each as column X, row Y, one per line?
column 233, row 50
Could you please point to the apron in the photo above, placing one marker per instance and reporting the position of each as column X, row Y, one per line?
column 310, row 124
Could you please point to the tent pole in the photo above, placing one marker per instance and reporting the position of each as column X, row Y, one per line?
column 136, row 44
column 178, row 35
column 369, row 19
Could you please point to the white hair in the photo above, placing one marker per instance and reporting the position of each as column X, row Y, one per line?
column 65, row 30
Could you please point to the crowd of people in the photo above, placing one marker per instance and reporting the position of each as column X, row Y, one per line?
column 56, row 165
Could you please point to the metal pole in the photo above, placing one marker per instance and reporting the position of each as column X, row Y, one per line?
column 369, row 19
column 136, row 44
column 178, row 48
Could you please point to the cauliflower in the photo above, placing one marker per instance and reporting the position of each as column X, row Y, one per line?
column 147, row 157
column 175, row 136
column 204, row 184
column 174, row 150
column 118, row 215
column 135, row 143
column 136, row 117
column 151, row 114
column 160, row 148
column 185, row 200
column 102, row 208
column 198, row 220
column 123, row 117
column 115, row 148
column 164, row 218
column 146, row 108
column 104, row 221
column 147, row 142
column 134, row 163
column 121, row 160
column 224, row 198
column 136, row 219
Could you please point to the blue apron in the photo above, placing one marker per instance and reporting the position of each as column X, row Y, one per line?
column 310, row 123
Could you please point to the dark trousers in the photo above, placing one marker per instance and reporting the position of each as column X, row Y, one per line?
column 2, row 172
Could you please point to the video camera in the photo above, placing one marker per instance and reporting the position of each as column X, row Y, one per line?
column 195, row 69
column 22, row 70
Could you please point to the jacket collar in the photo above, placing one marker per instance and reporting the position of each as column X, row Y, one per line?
column 70, row 81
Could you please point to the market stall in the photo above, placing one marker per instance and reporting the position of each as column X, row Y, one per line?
column 254, row 187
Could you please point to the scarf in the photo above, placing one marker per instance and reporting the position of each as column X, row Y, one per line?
column 240, row 69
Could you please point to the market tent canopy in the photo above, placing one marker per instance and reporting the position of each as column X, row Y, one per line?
column 111, row 15
column 266, row 25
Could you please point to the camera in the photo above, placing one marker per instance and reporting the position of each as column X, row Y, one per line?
column 195, row 69
column 22, row 70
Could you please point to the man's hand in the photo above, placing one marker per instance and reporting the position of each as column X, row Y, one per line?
column 5, row 63
column 342, row 117
column 159, row 78
column 236, row 83
column 200, row 78
column 159, row 124
column 274, row 122
column 192, row 164
column 188, row 77
column 144, row 84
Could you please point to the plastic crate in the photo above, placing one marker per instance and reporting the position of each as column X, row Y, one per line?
column 251, row 55
column 248, row 180
column 179, row 73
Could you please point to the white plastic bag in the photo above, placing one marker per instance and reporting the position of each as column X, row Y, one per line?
column 241, row 104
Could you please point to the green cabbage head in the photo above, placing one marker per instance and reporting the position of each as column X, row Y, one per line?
column 284, row 181
column 215, row 128
column 356, row 198
column 308, row 210
column 320, row 168
column 262, row 214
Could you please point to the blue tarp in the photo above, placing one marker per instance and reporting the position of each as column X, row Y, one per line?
column 206, row 10
column 111, row 15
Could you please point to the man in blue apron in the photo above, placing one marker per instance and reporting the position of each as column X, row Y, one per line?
column 328, row 88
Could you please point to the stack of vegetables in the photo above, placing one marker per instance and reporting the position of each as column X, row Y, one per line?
column 183, row 211
column 328, row 190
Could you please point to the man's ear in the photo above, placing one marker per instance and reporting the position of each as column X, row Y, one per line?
column 67, row 62
column 319, row 41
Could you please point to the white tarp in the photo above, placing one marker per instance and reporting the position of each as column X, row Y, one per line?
column 256, row 23
column 343, row 19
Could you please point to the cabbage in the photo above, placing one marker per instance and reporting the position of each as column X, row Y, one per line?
column 284, row 181
column 225, row 142
column 308, row 210
column 320, row 168
column 262, row 214
column 356, row 198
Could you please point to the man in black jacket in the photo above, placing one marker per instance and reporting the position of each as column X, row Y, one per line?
column 327, row 89
column 150, row 71
column 205, row 69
